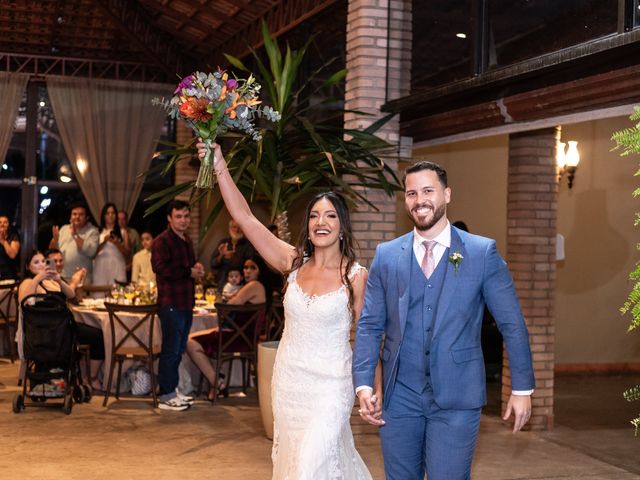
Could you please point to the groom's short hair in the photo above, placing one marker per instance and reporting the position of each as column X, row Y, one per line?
column 425, row 165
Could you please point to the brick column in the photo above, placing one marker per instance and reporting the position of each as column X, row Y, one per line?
column 531, row 238
column 187, row 171
column 369, row 32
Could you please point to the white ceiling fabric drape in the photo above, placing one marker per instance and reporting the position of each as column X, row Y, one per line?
column 109, row 130
column 12, row 86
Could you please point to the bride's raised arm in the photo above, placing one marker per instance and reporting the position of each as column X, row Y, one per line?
column 277, row 253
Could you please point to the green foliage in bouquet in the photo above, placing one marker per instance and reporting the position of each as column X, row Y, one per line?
column 628, row 140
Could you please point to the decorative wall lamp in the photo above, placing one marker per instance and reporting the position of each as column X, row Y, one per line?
column 567, row 160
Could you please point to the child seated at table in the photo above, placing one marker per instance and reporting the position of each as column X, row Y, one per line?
column 202, row 345
column 233, row 285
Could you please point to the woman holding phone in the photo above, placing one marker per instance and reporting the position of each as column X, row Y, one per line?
column 110, row 264
column 40, row 277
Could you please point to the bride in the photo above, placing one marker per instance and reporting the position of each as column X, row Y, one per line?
column 312, row 391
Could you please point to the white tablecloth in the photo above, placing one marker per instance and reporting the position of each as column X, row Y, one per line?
column 100, row 319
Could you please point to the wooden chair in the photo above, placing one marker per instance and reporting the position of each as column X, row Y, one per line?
column 275, row 321
column 9, row 317
column 237, row 337
column 144, row 350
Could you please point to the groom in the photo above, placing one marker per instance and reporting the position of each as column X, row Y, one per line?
column 426, row 294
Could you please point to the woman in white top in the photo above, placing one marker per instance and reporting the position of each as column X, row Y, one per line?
column 110, row 263
column 312, row 391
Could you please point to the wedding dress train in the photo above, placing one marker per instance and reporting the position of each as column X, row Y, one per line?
column 312, row 390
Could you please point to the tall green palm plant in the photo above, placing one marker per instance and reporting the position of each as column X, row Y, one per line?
column 308, row 150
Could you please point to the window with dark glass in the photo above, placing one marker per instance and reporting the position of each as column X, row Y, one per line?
column 523, row 29
column 442, row 42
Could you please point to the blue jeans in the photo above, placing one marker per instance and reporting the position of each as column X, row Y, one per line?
column 176, row 325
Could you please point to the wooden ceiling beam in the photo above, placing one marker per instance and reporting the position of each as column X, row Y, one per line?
column 132, row 21
column 282, row 17
column 182, row 19
column 40, row 65
column 605, row 90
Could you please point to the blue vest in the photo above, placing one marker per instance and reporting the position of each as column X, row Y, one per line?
column 413, row 360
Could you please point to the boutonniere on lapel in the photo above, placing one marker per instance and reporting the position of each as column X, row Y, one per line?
column 456, row 259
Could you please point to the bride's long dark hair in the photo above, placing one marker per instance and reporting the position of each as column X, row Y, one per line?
column 305, row 247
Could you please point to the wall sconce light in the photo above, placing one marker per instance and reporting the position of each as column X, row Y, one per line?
column 567, row 160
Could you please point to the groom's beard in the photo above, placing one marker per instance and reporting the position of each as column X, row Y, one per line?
column 425, row 225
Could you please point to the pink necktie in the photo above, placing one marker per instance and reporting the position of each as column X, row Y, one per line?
column 429, row 261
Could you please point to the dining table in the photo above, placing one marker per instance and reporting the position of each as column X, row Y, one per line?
column 92, row 312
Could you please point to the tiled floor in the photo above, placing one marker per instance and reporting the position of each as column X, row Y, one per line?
column 129, row 439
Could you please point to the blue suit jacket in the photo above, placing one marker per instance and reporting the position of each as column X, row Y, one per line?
column 456, row 361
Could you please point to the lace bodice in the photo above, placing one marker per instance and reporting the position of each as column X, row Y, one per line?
column 312, row 389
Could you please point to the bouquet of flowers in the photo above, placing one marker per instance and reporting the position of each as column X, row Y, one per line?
column 211, row 104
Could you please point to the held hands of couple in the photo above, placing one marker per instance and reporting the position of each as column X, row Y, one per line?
column 520, row 405
column 370, row 407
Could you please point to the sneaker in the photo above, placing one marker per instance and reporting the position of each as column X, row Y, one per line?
column 184, row 398
column 174, row 404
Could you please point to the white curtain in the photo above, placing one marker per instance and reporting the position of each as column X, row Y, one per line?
column 11, row 88
column 109, row 130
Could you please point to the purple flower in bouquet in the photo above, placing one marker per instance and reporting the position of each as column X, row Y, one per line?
column 232, row 84
column 186, row 82
column 211, row 104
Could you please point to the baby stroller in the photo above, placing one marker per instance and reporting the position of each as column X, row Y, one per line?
column 52, row 366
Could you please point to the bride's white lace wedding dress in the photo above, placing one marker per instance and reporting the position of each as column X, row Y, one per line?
column 312, row 390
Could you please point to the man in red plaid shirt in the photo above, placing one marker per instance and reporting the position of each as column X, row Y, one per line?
column 174, row 263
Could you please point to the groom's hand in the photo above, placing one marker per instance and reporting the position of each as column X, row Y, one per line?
column 520, row 405
column 370, row 407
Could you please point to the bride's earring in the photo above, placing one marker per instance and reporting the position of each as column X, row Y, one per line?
column 341, row 236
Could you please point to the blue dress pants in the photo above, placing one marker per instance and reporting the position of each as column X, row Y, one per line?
column 420, row 437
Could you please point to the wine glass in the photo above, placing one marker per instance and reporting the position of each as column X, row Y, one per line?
column 199, row 292
column 115, row 292
column 129, row 292
column 210, row 296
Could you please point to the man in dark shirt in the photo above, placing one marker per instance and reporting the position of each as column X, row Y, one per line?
column 174, row 263
column 231, row 251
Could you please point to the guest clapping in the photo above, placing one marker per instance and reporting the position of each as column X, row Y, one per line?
column 231, row 251
column 78, row 242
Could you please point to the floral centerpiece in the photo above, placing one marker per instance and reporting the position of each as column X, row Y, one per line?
column 212, row 104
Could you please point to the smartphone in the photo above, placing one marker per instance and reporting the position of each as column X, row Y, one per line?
column 50, row 263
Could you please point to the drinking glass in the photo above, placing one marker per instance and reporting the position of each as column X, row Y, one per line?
column 115, row 292
column 210, row 296
column 199, row 292
column 129, row 292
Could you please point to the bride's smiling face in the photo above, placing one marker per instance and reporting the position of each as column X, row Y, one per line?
column 324, row 224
